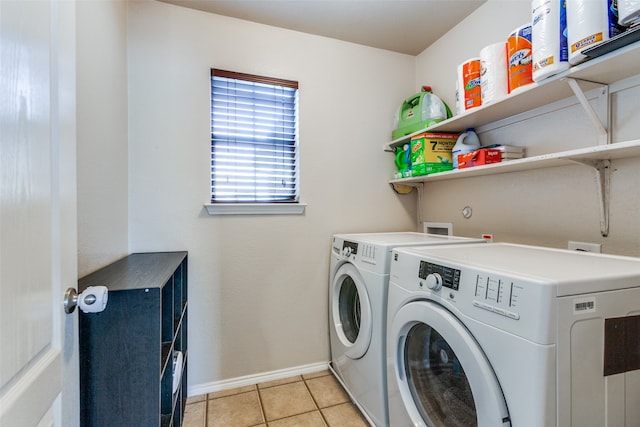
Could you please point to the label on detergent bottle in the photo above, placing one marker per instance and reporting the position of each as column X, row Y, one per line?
column 519, row 56
column 471, row 83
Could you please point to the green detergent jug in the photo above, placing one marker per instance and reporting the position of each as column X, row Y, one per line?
column 403, row 161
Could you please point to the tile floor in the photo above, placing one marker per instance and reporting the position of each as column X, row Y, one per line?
column 302, row 401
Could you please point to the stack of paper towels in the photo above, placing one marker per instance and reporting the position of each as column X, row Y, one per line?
column 519, row 54
column 493, row 72
column 549, row 38
column 468, row 89
column 484, row 79
column 559, row 31
column 589, row 23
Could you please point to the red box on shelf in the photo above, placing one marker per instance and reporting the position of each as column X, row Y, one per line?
column 483, row 156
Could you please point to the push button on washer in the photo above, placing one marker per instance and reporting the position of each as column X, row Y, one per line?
column 497, row 310
column 500, row 311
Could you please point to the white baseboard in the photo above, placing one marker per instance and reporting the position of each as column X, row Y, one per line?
column 205, row 388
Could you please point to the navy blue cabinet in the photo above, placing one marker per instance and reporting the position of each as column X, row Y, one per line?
column 133, row 355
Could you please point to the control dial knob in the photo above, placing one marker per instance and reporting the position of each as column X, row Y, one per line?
column 346, row 251
column 434, row 281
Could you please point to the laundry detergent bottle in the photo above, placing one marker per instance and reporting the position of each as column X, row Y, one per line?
column 403, row 161
column 466, row 143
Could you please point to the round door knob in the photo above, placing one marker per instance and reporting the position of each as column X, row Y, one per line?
column 434, row 281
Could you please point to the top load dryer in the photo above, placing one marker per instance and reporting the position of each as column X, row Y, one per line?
column 359, row 276
column 512, row 335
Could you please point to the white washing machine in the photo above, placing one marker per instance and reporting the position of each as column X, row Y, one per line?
column 358, row 281
column 501, row 334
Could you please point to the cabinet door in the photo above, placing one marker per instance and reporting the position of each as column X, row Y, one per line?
column 121, row 358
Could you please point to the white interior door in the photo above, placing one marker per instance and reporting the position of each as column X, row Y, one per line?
column 38, row 260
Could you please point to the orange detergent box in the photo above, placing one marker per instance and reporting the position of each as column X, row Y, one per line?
column 483, row 156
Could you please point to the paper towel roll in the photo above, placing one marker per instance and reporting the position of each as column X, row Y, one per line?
column 550, row 53
column 589, row 23
column 628, row 12
column 519, row 57
column 494, row 79
column 469, row 90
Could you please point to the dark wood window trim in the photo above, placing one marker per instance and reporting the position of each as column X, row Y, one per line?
column 254, row 78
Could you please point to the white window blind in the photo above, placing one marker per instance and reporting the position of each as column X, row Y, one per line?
column 254, row 144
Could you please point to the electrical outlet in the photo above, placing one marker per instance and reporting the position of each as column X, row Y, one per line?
column 585, row 247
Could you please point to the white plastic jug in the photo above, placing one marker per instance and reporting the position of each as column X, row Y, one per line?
column 466, row 143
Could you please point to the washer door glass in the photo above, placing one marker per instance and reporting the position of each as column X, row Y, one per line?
column 351, row 311
column 436, row 380
column 442, row 374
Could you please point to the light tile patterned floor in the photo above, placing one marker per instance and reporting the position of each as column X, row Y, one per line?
column 301, row 401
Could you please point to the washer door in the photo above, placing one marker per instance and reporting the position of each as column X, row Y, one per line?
column 351, row 311
column 443, row 376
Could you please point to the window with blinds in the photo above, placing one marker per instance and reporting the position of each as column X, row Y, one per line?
column 254, row 139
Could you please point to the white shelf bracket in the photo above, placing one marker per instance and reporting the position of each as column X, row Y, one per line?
column 603, row 133
column 603, row 183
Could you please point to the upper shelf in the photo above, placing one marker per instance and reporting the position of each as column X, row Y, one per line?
column 603, row 70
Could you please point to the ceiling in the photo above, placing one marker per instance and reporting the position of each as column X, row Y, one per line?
column 405, row 26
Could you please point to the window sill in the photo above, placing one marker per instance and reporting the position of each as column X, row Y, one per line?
column 255, row 208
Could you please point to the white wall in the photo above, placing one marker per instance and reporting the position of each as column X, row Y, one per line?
column 258, row 284
column 546, row 207
column 101, row 133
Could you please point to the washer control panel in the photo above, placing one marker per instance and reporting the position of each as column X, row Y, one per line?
column 445, row 276
column 517, row 303
column 497, row 295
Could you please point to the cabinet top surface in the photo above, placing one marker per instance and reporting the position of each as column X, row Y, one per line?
column 136, row 271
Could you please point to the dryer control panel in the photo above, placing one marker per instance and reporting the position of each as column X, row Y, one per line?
column 366, row 252
column 349, row 248
column 364, row 255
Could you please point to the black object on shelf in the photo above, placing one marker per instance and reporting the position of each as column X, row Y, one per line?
column 631, row 35
column 133, row 355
